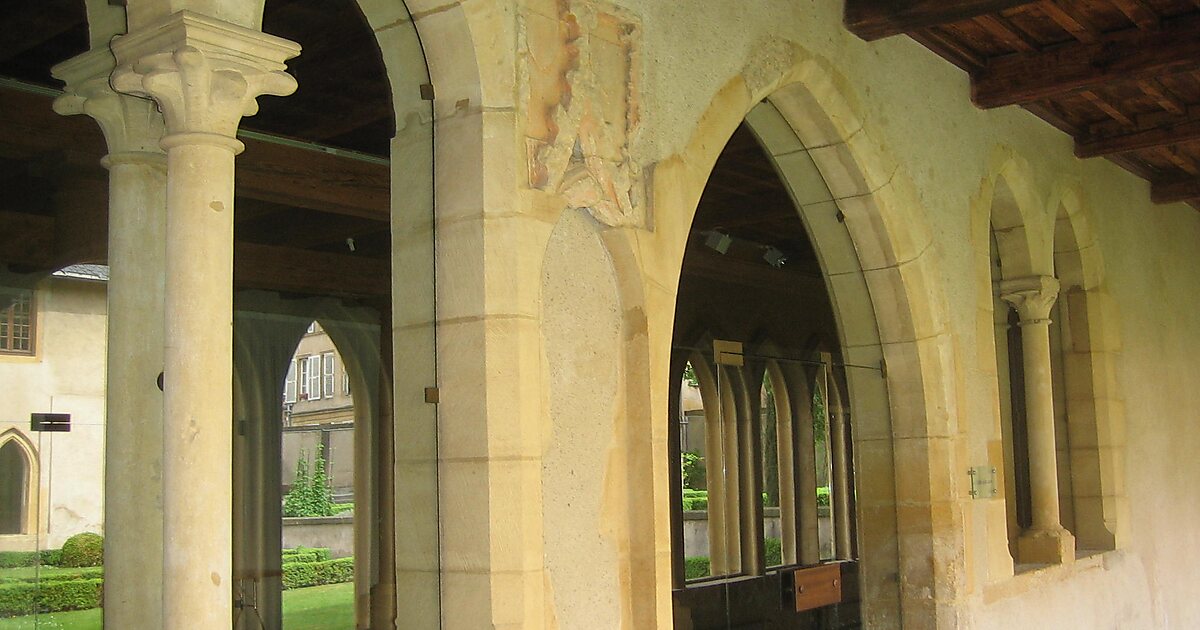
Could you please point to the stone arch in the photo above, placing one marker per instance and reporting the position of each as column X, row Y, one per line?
column 1012, row 207
column 23, row 490
column 874, row 244
column 1010, row 240
column 1094, row 408
column 267, row 331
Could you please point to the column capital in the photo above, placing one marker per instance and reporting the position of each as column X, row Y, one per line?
column 205, row 74
column 1032, row 296
column 132, row 126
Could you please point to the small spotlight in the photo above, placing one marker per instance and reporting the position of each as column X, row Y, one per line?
column 350, row 244
column 719, row 241
column 775, row 258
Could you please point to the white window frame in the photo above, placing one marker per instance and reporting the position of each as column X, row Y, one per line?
column 345, row 382
column 302, row 379
column 314, row 376
column 289, row 384
column 312, row 328
column 327, row 371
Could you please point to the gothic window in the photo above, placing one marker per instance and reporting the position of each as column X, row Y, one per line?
column 14, row 488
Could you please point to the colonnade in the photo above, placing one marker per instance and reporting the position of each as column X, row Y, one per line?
column 731, row 444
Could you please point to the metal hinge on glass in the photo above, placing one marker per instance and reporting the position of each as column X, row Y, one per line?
column 51, row 422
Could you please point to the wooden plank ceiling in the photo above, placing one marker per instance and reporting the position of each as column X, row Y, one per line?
column 296, row 207
column 1122, row 77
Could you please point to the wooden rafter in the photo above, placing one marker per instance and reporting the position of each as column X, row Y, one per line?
column 1130, row 54
column 876, row 19
column 1176, row 190
column 1174, row 130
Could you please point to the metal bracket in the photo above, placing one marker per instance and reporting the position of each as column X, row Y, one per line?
column 432, row 395
column 983, row 482
column 728, row 352
column 427, row 91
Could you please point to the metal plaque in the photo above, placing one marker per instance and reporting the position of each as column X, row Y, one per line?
column 51, row 422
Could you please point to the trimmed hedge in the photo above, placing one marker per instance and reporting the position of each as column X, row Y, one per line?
column 29, row 598
column 306, row 554
column 302, row 574
column 695, row 567
column 83, row 550
column 87, row 573
column 15, row 559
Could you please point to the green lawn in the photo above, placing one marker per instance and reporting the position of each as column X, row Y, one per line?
column 316, row 608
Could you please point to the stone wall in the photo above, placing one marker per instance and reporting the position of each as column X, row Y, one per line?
column 911, row 167
column 65, row 375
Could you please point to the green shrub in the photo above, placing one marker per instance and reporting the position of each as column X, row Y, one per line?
column 86, row 573
column 306, row 554
column 54, row 596
column 695, row 567
column 823, row 496
column 83, row 550
column 51, row 557
column 14, row 559
column 695, row 499
column 773, row 552
column 302, row 574
column 694, row 471
column 310, row 495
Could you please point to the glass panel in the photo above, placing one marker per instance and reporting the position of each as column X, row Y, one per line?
column 52, row 360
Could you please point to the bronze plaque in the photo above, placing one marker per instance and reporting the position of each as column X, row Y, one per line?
column 817, row 586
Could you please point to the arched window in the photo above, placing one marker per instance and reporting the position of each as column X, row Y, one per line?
column 768, row 450
column 15, row 476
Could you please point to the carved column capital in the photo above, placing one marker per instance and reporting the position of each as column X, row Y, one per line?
column 132, row 127
column 1032, row 297
column 205, row 74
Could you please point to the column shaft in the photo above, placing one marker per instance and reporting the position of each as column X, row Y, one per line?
column 1046, row 541
column 1039, row 405
column 133, row 445
column 198, row 446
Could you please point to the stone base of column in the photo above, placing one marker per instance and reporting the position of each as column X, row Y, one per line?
column 1053, row 546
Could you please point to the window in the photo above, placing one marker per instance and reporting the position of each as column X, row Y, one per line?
column 14, row 484
column 16, row 323
column 314, row 377
column 345, row 382
column 327, row 371
column 312, row 328
column 289, row 385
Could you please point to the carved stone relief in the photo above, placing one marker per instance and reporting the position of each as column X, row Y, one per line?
column 580, row 75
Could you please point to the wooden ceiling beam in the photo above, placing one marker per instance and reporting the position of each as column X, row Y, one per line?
column 314, row 180
column 287, row 269
column 1128, row 55
column 1175, row 130
column 876, row 19
column 1185, row 190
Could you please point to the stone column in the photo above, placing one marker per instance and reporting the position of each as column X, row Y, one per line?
column 840, row 486
column 136, row 230
column 804, row 436
column 1046, row 541
column 205, row 75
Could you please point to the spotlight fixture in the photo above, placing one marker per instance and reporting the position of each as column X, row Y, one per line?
column 775, row 258
column 718, row 241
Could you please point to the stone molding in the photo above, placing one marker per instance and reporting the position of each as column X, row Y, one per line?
column 1032, row 296
column 132, row 126
column 205, row 74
